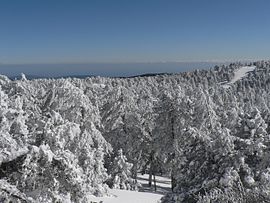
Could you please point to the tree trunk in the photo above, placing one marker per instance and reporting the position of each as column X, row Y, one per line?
column 135, row 166
column 173, row 181
column 150, row 169
column 135, row 170
column 155, row 183
column 150, row 176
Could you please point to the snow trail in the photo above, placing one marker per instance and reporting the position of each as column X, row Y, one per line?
column 239, row 74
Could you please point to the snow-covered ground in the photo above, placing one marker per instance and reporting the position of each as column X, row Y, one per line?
column 145, row 194
column 239, row 74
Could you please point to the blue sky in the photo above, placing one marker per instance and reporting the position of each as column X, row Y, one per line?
column 117, row 31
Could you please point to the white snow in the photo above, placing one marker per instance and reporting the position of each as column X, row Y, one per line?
column 145, row 195
column 126, row 196
column 239, row 74
column 96, row 85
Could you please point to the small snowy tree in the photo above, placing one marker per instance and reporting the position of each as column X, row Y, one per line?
column 120, row 171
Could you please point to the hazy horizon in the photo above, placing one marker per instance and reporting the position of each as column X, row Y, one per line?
column 102, row 69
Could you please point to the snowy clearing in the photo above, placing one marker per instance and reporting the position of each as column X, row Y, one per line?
column 145, row 194
column 239, row 74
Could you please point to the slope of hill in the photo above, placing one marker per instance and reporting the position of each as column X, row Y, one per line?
column 239, row 74
column 64, row 140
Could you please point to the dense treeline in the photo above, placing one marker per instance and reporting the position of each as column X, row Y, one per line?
column 65, row 139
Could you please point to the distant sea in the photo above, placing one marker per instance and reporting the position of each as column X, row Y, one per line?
column 99, row 69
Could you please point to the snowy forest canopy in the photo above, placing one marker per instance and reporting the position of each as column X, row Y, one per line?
column 65, row 139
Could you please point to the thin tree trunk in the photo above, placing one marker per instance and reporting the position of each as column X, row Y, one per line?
column 150, row 176
column 135, row 166
column 173, row 181
column 150, row 169
column 134, row 171
column 155, row 183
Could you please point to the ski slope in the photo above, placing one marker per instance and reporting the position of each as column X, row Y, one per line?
column 145, row 194
column 239, row 74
